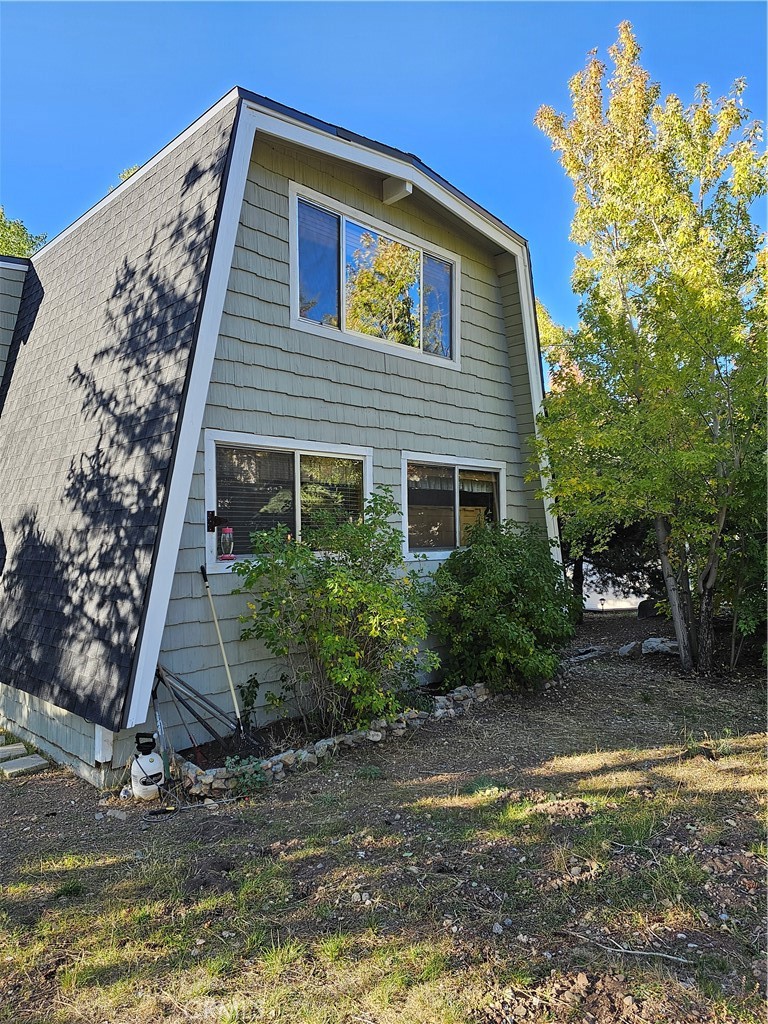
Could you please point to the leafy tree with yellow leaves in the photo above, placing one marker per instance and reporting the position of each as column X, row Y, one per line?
column 657, row 407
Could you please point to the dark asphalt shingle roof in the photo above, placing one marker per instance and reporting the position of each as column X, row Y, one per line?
column 89, row 406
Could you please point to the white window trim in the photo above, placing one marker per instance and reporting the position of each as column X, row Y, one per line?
column 427, row 459
column 297, row 448
column 341, row 333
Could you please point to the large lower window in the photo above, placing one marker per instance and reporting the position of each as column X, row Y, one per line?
column 360, row 281
column 444, row 501
column 257, row 488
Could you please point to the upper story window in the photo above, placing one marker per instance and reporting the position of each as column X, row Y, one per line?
column 354, row 277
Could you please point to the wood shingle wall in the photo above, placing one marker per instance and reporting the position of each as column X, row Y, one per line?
column 269, row 379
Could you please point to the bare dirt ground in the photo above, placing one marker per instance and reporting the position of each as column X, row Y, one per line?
column 590, row 854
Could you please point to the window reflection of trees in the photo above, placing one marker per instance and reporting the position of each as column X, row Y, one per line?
column 383, row 287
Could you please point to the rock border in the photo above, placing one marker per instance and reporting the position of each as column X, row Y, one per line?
column 219, row 783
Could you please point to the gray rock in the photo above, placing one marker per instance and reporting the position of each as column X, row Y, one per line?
column 374, row 736
column 659, row 645
column 498, row 929
column 631, row 650
column 588, row 654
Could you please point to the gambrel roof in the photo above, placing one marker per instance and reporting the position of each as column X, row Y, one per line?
column 102, row 398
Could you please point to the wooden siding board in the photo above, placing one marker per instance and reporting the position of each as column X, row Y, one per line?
column 270, row 379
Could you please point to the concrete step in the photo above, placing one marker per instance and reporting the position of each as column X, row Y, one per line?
column 12, row 750
column 23, row 766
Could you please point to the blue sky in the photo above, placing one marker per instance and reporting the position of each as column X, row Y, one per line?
column 87, row 89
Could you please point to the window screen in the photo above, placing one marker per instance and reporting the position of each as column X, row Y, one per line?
column 478, row 500
column 438, row 303
column 332, row 487
column 431, row 507
column 255, row 491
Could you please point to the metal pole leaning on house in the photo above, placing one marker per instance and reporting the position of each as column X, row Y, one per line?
column 204, row 574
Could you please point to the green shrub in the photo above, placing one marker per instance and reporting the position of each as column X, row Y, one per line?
column 340, row 610
column 250, row 778
column 503, row 608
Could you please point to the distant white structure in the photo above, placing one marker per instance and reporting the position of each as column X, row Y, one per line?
column 598, row 598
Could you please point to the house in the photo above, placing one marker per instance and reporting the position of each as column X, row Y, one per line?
column 195, row 353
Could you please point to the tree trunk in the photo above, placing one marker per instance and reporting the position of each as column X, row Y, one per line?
column 706, row 633
column 675, row 595
column 577, row 583
column 707, row 581
column 690, row 614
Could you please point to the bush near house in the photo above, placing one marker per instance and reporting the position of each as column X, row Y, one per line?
column 503, row 608
column 340, row 610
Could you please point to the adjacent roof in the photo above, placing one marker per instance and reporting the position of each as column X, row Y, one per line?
column 89, row 405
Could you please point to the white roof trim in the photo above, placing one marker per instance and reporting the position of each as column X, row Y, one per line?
column 8, row 264
column 191, row 423
column 288, row 129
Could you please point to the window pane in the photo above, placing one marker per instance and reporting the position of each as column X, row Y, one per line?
column 437, row 307
column 318, row 265
column 478, row 499
column 331, row 486
column 431, row 507
column 254, row 491
column 382, row 286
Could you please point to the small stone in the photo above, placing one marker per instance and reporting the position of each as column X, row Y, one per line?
column 288, row 758
column 356, row 897
column 374, row 736
column 498, row 929
column 114, row 813
column 631, row 650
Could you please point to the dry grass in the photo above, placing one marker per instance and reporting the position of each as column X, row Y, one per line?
column 368, row 891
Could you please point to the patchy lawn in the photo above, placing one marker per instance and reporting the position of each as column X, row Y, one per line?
column 592, row 856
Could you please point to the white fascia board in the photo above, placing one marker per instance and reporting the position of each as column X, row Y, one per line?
column 533, row 360
column 288, row 130
column 13, row 267
column 192, row 421
column 120, row 189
